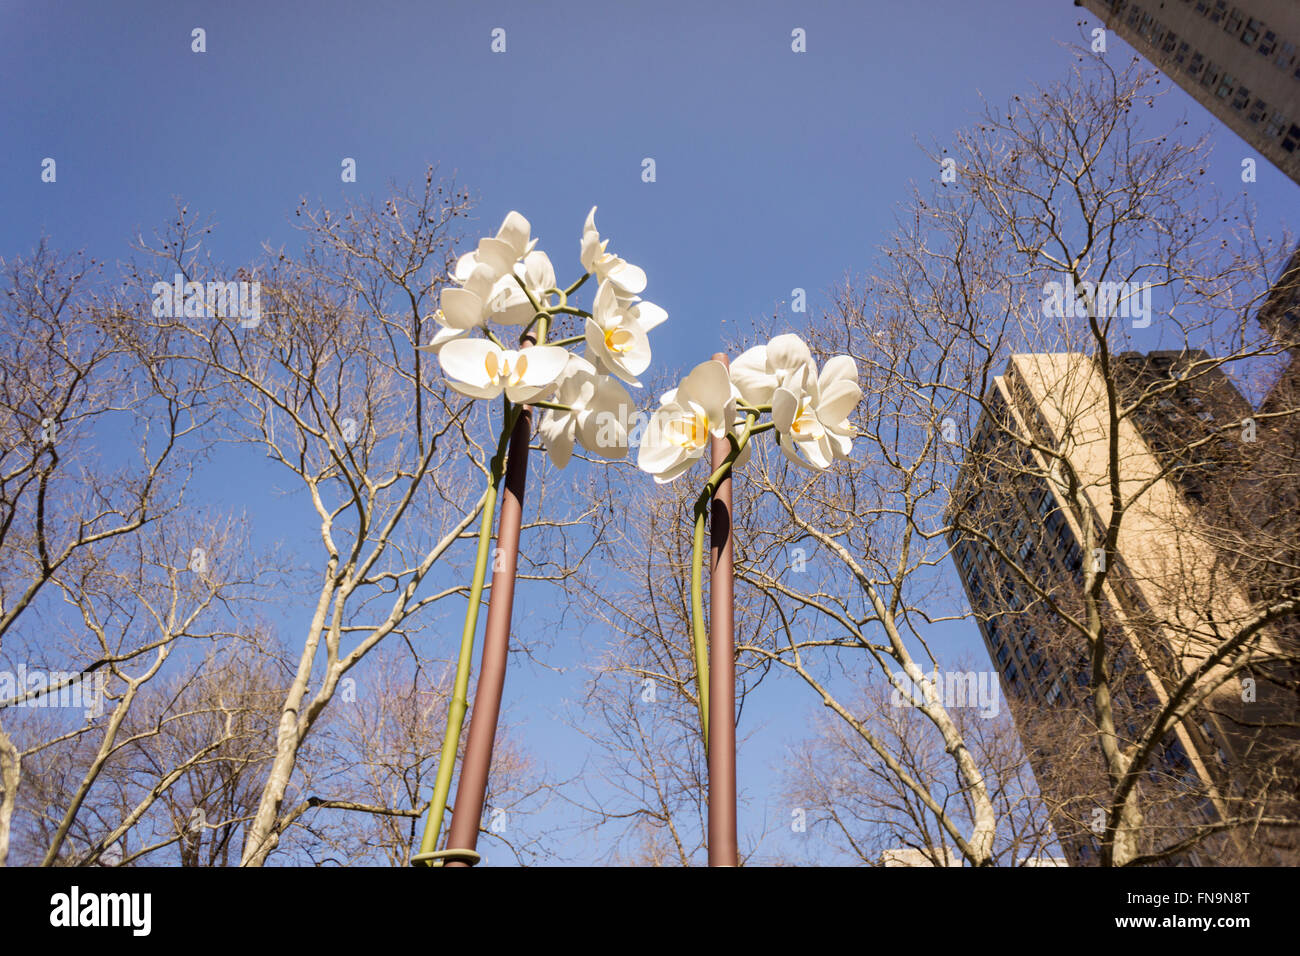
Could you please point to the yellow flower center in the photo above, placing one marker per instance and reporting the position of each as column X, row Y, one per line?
column 805, row 424
column 499, row 369
column 689, row 431
column 618, row 340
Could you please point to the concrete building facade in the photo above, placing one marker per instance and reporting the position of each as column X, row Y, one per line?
column 1240, row 59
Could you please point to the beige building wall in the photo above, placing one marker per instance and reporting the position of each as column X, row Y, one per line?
column 1160, row 553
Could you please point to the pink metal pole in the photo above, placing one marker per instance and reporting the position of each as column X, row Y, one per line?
column 472, row 788
column 723, row 844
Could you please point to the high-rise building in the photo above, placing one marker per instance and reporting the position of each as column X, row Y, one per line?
column 1168, row 595
column 1240, row 60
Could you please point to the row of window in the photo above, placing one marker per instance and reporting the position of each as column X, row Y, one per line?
column 1223, row 85
column 1248, row 29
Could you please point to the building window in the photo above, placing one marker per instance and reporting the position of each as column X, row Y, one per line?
column 1251, row 33
column 1241, row 99
column 1276, row 122
column 1285, row 53
column 1292, row 139
column 1226, row 85
column 1267, row 45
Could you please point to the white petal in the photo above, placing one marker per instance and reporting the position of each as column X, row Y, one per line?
column 785, row 406
column 788, row 352
column 475, row 391
column 603, row 432
column 750, row 376
column 510, row 306
column 526, row 394
column 840, row 368
column 461, row 309
column 556, row 431
column 514, row 233
column 589, row 251
column 497, row 256
column 544, row 365
column 606, row 309
column 577, row 383
column 602, row 427
column 841, row 445
column 539, row 274
column 675, row 471
column 838, row 401
column 441, row 338
column 657, row 453
column 627, row 277
column 709, row 385
column 597, row 351
column 648, row 315
column 483, row 281
column 465, row 360
column 465, row 267
column 631, row 362
column 819, row 453
column 787, row 449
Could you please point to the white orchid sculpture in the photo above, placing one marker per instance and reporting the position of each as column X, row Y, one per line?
column 809, row 412
column 507, row 281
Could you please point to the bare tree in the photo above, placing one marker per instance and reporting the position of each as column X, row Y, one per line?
column 126, row 619
column 380, row 753
column 647, row 789
column 1087, row 486
column 864, row 809
column 96, row 437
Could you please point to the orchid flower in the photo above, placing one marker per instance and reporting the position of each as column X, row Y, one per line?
column 812, row 414
column 760, row 371
column 537, row 275
column 481, row 369
column 500, row 254
column 627, row 279
column 467, row 307
column 596, row 414
column 616, row 336
column 701, row 407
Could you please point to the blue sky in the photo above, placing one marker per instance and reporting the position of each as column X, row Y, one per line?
column 774, row 169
